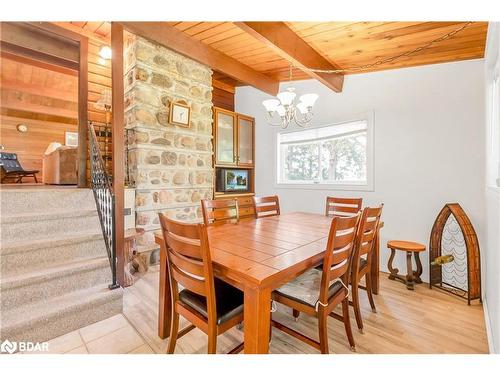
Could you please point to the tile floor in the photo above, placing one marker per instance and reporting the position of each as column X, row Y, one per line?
column 114, row 335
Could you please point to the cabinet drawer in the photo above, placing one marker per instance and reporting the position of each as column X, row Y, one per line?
column 245, row 201
column 246, row 211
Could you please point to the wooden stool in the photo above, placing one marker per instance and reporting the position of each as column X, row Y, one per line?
column 131, row 256
column 411, row 275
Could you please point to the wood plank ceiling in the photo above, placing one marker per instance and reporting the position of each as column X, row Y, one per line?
column 343, row 44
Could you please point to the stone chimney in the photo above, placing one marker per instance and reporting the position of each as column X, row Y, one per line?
column 170, row 166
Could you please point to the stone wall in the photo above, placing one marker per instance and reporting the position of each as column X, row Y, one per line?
column 169, row 166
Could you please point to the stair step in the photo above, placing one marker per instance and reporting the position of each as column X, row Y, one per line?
column 35, row 254
column 47, row 224
column 20, row 289
column 40, row 199
column 46, row 319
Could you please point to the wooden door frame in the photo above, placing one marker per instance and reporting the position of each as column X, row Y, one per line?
column 118, row 139
column 83, row 45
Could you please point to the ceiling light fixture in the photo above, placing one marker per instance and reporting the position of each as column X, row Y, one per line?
column 285, row 109
column 105, row 52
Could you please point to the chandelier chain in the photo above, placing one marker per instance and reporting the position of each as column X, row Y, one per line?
column 393, row 58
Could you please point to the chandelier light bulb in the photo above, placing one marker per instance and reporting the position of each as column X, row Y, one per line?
column 271, row 104
column 303, row 108
column 286, row 98
column 309, row 99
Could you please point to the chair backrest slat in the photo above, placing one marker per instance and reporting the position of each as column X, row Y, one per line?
column 220, row 211
column 365, row 238
column 189, row 261
column 187, row 281
column 340, row 245
column 266, row 206
column 342, row 206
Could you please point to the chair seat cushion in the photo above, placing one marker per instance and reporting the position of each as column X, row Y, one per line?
column 228, row 299
column 305, row 288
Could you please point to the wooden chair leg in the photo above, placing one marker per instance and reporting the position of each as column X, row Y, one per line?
column 174, row 331
column 296, row 314
column 323, row 332
column 355, row 305
column 347, row 324
column 369, row 288
column 212, row 341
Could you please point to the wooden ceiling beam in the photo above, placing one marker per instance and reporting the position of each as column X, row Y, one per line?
column 170, row 37
column 287, row 44
column 223, row 86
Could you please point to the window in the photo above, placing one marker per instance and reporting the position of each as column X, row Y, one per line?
column 337, row 155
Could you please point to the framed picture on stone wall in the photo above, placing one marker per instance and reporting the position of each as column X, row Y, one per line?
column 180, row 114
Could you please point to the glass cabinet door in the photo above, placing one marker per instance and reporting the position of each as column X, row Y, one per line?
column 225, row 138
column 245, row 141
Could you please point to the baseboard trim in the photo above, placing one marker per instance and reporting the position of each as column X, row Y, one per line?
column 489, row 332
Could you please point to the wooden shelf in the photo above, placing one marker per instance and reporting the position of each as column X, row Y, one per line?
column 219, row 194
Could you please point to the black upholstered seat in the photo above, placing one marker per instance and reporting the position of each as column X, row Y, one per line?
column 229, row 301
column 362, row 263
column 306, row 287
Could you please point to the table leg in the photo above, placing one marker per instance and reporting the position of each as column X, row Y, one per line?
column 409, row 271
column 375, row 268
column 257, row 315
column 419, row 270
column 165, row 302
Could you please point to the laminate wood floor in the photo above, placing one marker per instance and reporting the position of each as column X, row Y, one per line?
column 420, row 321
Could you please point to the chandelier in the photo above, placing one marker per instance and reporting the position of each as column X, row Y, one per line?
column 284, row 110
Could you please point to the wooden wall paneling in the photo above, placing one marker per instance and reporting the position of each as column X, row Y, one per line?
column 118, row 121
column 222, row 95
column 31, row 145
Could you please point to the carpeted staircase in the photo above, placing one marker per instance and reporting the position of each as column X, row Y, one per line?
column 54, row 270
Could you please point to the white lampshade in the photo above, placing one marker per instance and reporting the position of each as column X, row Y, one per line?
column 281, row 110
column 302, row 108
column 309, row 99
column 105, row 52
column 286, row 97
column 271, row 104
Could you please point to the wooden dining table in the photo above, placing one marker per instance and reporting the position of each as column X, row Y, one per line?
column 256, row 256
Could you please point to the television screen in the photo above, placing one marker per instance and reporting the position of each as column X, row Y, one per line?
column 235, row 180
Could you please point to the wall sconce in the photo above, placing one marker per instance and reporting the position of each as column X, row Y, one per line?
column 105, row 54
column 22, row 128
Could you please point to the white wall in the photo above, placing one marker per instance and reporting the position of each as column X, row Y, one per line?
column 491, row 252
column 429, row 145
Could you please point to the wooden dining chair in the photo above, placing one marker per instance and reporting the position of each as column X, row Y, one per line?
column 317, row 293
column 342, row 206
column 266, row 206
column 207, row 302
column 362, row 259
column 220, row 211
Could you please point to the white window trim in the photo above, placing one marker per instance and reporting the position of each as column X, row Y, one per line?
column 369, row 117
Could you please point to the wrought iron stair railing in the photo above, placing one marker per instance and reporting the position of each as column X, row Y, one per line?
column 105, row 200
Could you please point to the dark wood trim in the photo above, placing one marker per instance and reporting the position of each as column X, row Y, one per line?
column 32, row 54
column 59, row 30
column 118, row 121
column 176, row 40
column 83, row 92
column 38, row 63
column 287, row 44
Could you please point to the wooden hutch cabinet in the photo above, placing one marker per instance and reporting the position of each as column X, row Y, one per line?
column 234, row 150
column 234, row 139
